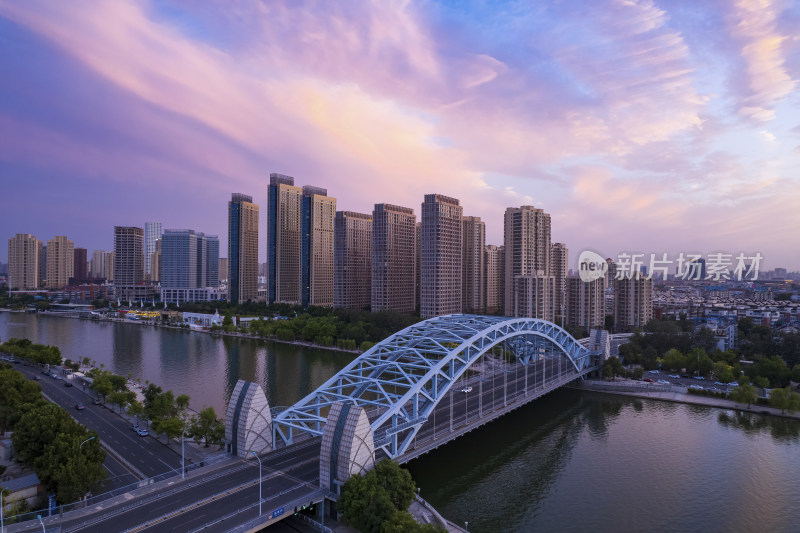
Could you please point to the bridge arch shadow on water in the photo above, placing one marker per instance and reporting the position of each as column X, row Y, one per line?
column 440, row 378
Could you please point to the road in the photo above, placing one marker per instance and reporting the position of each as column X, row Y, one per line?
column 287, row 474
column 145, row 454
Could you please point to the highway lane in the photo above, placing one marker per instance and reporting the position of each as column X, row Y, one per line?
column 151, row 458
column 287, row 467
column 276, row 492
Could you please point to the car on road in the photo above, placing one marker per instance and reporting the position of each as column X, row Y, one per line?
column 720, row 383
column 733, row 384
column 466, row 389
column 648, row 380
column 79, row 406
column 67, row 383
column 674, row 376
column 696, row 387
column 700, row 378
column 96, row 402
column 143, row 432
column 37, row 378
column 135, row 427
column 663, row 381
column 653, row 371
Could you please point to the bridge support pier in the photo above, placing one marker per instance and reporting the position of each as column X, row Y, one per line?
column 348, row 446
column 248, row 421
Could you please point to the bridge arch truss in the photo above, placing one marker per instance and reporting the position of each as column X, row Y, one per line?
column 400, row 380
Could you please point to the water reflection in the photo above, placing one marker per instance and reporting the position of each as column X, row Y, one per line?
column 781, row 429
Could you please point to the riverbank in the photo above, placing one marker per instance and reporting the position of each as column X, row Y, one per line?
column 678, row 395
column 236, row 334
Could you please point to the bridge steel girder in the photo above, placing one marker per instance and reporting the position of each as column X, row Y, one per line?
column 423, row 361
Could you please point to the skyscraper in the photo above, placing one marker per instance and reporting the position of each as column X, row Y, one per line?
column 60, row 261
column 534, row 295
column 633, row 302
column 128, row 261
column 493, row 264
column 23, row 261
column 284, row 240
column 189, row 260
column 319, row 214
column 42, row 265
column 223, row 269
column 441, row 256
column 352, row 259
column 393, row 258
column 527, row 247
column 473, row 265
column 79, row 271
column 585, row 302
column 242, row 249
column 558, row 269
column 152, row 232
column 155, row 263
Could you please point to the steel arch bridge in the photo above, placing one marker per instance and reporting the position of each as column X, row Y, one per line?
column 400, row 380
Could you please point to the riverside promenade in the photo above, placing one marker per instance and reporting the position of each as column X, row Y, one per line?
column 673, row 393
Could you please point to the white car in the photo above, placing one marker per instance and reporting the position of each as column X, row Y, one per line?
column 653, row 371
column 663, row 381
column 674, row 376
column 466, row 389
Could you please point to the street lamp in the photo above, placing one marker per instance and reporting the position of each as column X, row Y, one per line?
column 84, row 442
column 183, row 457
column 2, row 528
column 259, row 482
column 465, row 526
column 41, row 522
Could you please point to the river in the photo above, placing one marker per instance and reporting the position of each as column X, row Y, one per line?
column 571, row 461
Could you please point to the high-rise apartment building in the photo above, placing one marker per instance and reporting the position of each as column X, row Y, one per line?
column 284, row 240
column 223, row 269
column 109, row 266
column 493, row 264
column 527, row 247
column 42, row 265
column 418, row 263
column 60, row 261
column 155, row 263
column 152, row 232
column 633, row 302
column 534, row 295
column 23, row 261
column 128, row 261
column 558, row 269
column 585, row 302
column 319, row 215
column 189, row 260
column 352, row 260
column 441, row 256
column 473, row 265
column 242, row 249
column 393, row 258
column 79, row 271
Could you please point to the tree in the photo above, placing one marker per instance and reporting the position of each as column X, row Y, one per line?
column 397, row 482
column 612, row 367
column 779, row 398
column 206, row 427
column 796, row 373
column 403, row 522
column 171, row 427
column 674, row 360
column 136, row 409
column 182, row 402
column 364, row 503
column 744, row 393
column 723, row 372
column 761, row 382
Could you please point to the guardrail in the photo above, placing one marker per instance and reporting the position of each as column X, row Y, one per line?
column 314, row 496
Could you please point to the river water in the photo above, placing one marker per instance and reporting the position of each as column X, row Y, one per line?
column 571, row 461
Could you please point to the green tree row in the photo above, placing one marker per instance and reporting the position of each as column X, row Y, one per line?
column 66, row 456
column 35, row 353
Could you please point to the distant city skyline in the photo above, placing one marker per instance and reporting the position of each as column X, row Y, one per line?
column 636, row 125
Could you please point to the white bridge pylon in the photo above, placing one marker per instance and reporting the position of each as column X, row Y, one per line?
column 400, row 380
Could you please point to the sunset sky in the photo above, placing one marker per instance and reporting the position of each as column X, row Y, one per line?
column 651, row 126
